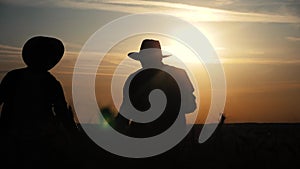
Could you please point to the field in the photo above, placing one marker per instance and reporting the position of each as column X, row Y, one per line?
column 232, row 146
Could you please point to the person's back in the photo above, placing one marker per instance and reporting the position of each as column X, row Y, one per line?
column 28, row 100
column 180, row 100
column 142, row 85
column 154, row 74
column 34, row 108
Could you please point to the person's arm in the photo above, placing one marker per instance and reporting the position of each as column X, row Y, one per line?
column 4, row 88
column 122, row 123
column 61, row 109
column 189, row 99
column 125, row 100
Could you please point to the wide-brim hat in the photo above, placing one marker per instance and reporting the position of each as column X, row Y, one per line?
column 42, row 53
column 148, row 44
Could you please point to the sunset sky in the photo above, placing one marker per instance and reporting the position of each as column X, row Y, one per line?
column 257, row 41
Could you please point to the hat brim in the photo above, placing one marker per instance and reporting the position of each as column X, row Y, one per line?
column 135, row 55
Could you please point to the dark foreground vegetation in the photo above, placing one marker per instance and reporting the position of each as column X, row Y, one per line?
column 231, row 146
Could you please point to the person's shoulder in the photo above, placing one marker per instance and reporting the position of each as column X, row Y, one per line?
column 51, row 79
column 15, row 72
column 174, row 69
column 132, row 75
column 50, row 76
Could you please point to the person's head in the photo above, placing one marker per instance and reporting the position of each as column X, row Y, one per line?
column 150, row 53
column 42, row 53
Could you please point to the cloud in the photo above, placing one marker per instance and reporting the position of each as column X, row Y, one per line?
column 10, row 58
column 9, row 53
column 223, row 2
column 261, row 60
column 9, row 48
column 189, row 12
column 192, row 13
column 72, row 46
column 292, row 38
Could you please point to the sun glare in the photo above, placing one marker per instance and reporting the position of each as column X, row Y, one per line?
column 181, row 52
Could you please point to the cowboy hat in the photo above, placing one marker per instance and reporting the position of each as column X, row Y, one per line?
column 42, row 53
column 148, row 44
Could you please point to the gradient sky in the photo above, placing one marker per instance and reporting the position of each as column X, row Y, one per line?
column 257, row 41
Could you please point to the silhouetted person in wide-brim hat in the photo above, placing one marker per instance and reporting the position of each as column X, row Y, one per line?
column 178, row 90
column 154, row 74
column 34, row 107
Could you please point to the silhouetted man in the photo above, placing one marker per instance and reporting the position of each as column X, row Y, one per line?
column 178, row 90
column 154, row 74
column 34, row 108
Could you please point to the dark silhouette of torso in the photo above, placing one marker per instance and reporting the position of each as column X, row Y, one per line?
column 143, row 82
column 33, row 102
column 141, row 86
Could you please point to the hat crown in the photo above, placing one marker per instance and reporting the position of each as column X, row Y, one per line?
column 150, row 43
column 42, row 53
column 153, row 45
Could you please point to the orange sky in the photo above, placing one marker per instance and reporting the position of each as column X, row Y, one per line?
column 254, row 92
column 257, row 42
